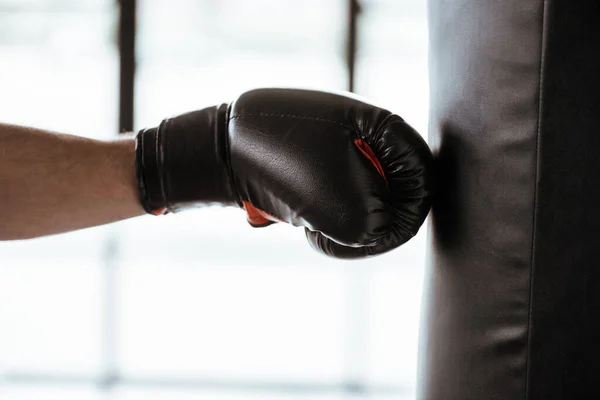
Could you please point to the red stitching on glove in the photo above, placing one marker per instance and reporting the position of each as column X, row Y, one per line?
column 368, row 152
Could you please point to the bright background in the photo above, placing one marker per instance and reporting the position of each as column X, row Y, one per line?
column 199, row 305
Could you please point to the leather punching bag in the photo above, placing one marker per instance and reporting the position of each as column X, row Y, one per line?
column 512, row 300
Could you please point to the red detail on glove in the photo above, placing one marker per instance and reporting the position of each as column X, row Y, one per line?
column 366, row 150
column 160, row 211
column 258, row 217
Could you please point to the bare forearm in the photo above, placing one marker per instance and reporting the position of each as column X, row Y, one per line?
column 52, row 183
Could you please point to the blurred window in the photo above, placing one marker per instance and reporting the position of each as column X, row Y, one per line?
column 200, row 303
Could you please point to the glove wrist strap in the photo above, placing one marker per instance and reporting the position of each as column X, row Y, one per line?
column 147, row 166
column 184, row 162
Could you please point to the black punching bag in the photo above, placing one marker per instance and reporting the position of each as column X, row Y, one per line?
column 512, row 292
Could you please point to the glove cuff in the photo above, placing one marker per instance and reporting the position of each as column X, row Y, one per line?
column 183, row 162
column 151, row 192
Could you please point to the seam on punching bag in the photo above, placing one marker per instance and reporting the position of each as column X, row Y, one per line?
column 543, row 38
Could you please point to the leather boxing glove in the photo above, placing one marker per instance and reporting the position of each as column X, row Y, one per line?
column 356, row 176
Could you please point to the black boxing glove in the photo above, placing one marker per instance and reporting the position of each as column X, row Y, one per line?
column 356, row 176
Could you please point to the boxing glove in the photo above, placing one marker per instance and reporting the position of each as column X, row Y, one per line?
column 355, row 176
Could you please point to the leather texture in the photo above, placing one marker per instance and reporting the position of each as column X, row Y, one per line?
column 511, row 299
column 296, row 156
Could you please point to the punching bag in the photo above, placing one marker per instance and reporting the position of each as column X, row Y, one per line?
column 512, row 290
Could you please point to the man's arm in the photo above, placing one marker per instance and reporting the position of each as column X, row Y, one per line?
column 356, row 176
column 52, row 183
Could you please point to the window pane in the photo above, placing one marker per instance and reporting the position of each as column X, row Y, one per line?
column 59, row 66
column 392, row 58
column 194, row 54
column 50, row 296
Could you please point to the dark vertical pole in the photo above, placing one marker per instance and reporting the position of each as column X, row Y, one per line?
column 351, row 41
column 126, row 64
